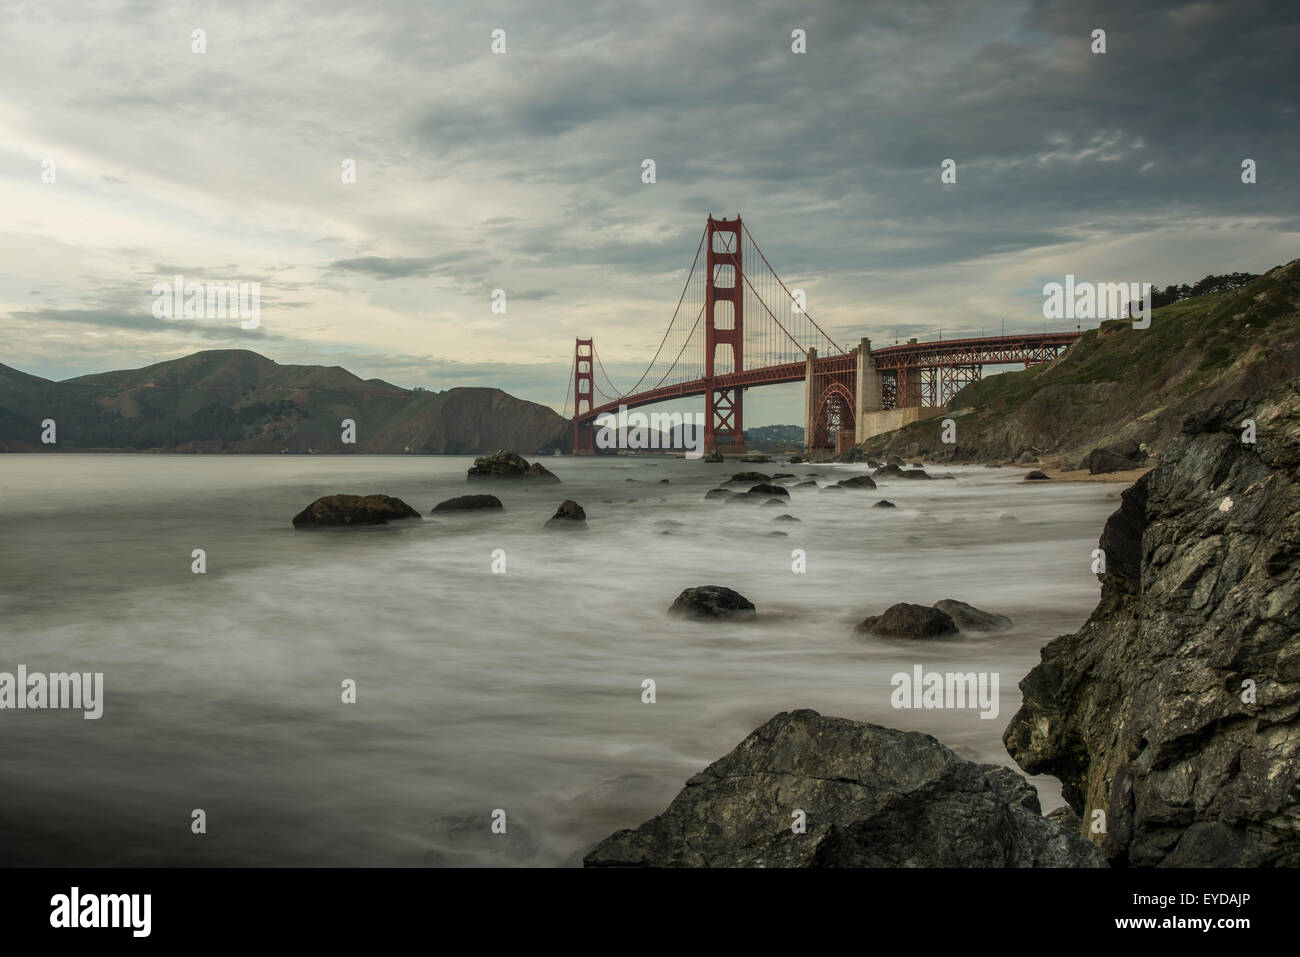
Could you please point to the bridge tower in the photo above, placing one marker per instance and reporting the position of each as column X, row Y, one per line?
column 723, row 418
column 584, row 437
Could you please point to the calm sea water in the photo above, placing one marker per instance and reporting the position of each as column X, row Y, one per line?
column 475, row 691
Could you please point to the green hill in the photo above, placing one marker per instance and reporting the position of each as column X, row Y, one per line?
column 1120, row 383
column 239, row 401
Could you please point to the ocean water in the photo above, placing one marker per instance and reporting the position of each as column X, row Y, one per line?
column 476, row 691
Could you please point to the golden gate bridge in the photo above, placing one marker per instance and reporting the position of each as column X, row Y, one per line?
column 738, row 326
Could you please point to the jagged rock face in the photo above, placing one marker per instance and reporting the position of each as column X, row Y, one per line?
column 353, row 510
column 909, row 621
column 712, row 601
column 462, row 503
column 1142, row 713
column 508, row 465
column 869, row 797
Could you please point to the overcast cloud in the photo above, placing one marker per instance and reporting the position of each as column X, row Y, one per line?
column 522, row 171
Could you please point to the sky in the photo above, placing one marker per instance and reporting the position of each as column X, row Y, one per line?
column 522, row 171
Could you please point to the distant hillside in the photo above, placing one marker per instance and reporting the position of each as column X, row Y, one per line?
column 1119, row 383
column 238, row 401
column 775, row 437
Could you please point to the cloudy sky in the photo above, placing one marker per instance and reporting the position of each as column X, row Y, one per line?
column 522, row 171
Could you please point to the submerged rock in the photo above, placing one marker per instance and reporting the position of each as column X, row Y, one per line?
column 1035, row 476
column 785, row 518
column 884, row 503
column 869, row 797
column 712, row 601
column 857, row 481
column 334, row 510
column 916, row 473
column 569, row 515
column 764, row 489
column 508, row 465
column 748, row 477
column 1176, row 707
column 909, row 621
column 719, row 493
column 466, row 502
column 969, row 618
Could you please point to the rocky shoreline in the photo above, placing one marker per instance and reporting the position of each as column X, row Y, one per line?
column 1170, row 718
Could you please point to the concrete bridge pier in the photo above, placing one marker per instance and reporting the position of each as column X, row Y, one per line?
column 868, row 394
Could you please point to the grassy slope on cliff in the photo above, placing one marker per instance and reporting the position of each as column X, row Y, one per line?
column 1123, row 383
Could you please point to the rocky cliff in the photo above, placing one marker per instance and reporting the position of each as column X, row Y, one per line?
column 1171, row 716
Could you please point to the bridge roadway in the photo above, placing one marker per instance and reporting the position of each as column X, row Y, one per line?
column 890, row 360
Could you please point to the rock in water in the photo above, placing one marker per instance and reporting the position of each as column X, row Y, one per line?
column 909, row 621
column 1176, row 708
column 858, row 481
column 569, row 515
column 872, row 796
column 748, row 477
column 884, row 503
column 353, row 510
column 764, row 489
column 712, row 601
column 464, row 503
column 508, row 465
column 1034, row 476
column 719, row 493
column 970, row 618
column 914, row 473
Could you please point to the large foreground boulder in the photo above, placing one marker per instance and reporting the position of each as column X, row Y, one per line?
column 1173, row 710
column 712, row 601
column 866, row 796
column 908, row 621
column 508, row 465
column 334, row 510
column 465, row 503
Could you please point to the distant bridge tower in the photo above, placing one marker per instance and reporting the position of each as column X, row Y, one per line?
column 723, row 419
column 584, row 436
